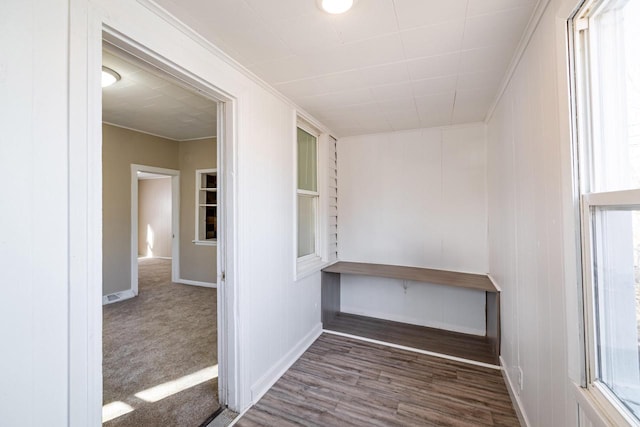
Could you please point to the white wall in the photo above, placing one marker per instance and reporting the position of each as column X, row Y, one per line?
column 34, row 237
column 414, row 198
column 154, row 217
column 50, row 151
column 531, row 228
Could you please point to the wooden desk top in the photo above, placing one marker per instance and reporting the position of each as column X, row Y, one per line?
column 439, row 277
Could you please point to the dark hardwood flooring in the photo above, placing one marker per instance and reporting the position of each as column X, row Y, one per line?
column 466, row 346
column 340, row 381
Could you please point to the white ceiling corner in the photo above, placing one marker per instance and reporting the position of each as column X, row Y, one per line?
column 384, row 65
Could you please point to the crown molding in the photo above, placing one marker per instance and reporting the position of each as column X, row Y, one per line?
column 220, row 54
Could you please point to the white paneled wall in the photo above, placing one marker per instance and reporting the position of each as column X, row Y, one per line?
column 282, row 312
column 415, row 198
column 34, row 242
column 52, row 350
column 527, row 163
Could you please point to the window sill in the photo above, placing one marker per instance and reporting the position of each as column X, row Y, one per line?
column 600, row 409
column 205, row 242
column 307, row 267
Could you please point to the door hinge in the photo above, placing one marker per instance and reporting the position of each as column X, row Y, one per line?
column 223, row 276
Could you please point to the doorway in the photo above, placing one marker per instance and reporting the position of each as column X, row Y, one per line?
column 155, row 218
column 160, row 348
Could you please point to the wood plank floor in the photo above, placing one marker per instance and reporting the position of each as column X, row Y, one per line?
column 340, row 381
column 466, row 346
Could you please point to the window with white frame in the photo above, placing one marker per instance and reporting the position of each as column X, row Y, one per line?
column 206, row 208
column 307, row 195
column 606, row 50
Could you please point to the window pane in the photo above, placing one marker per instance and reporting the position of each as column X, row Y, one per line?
column 306, row 225
column 617, row 295
column 307, row 161
column 616, row 97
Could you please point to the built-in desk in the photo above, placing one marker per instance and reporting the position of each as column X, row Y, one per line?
column 332, row 319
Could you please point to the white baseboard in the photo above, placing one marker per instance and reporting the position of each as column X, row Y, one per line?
column 515, row 397
column 196, row 283
column 153, row 257
column 117, row 297
column 412, row 321
column 272, row 375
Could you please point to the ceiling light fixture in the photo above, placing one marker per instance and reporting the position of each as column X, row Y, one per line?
column 109, row 77
column 335, row 6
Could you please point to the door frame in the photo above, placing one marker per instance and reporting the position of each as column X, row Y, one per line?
column 91, row 26
column 175, row 220
column 225, row 146
column 228, row 334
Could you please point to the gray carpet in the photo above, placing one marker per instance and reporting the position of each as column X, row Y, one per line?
column 166, row 333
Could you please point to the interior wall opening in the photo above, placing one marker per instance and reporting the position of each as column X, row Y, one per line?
column 160, row 271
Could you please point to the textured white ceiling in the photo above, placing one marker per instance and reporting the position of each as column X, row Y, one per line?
column 384, row 65
column 145, row 101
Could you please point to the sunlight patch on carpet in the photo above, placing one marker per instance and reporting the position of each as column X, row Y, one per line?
column 114, row 410
column 169, row 388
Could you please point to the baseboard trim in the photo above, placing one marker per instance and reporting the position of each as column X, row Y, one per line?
column 196, row 283
column 515, row 398
column 117, row 297
column 272, row 375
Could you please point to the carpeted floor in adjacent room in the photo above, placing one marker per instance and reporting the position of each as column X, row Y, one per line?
column 156, row 344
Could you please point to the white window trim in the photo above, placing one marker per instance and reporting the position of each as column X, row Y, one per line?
column 597, row 394
column 198, row 181
column 312, row 263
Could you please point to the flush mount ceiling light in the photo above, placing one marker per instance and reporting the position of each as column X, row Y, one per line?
column 335, row 6
column 109, row 77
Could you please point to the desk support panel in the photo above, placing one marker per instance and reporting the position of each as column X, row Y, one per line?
column 330, row 296
column 493, row 320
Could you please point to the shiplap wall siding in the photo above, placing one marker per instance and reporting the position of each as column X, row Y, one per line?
column 46, row 323
column 415, row 198
column 52, row 350
column 529, row 201
column 34, row 242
